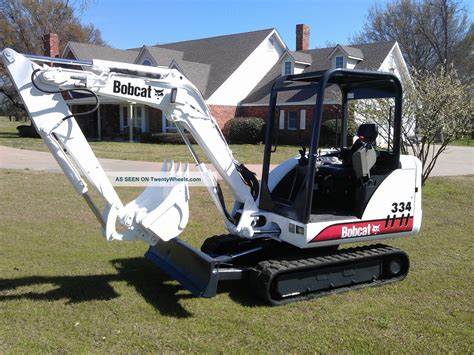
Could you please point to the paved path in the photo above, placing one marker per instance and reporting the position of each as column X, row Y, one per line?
column 454, row 161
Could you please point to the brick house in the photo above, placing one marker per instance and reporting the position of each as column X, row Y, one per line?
column 233, row 72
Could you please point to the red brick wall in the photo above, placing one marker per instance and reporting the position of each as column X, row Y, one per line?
column 223, row 113
column 253, row 111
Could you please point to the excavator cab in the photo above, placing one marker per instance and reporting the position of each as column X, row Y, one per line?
column 335, row 183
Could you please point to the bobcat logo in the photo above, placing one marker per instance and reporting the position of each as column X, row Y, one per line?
column 375, row 228
column 158, row 93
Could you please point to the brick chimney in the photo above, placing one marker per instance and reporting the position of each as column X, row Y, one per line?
column 51, row 45
column 302, row 37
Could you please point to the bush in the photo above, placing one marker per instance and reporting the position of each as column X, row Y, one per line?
column 244, row 130
column 165, row 138
column 27, row 131
column 327, row 136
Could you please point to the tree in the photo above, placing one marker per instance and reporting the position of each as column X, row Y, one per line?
column 24, row 22
column 431, row 33
column 437, row 107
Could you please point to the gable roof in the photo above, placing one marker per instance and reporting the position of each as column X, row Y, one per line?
column 373, row 53
column 351, row 52
column 85, row 51
column 207, row 62
column 197, row 73
column 161, row 56
column 224, row 54
column 301, row 57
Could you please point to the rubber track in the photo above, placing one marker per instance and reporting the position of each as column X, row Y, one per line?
column 267, row 270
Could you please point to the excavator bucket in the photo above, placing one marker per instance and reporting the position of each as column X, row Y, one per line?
column 164, row 210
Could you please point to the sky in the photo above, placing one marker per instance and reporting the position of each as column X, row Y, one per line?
column 133, row 23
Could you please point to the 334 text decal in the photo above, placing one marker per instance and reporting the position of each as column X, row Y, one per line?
column 401, row 207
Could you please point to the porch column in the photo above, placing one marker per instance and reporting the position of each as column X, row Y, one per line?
column 130, row 122
column 99, row 125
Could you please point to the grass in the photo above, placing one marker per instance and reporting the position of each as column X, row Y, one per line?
column 465, row 141
column 64, row 289
column 245, row 153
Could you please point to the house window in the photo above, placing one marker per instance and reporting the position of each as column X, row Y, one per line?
column 288, row 68
column 138, row 117
column 146, row 62
column 340, row 61
column 168, row 126
column 292, row 117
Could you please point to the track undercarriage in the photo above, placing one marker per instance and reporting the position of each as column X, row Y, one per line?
column 276, row 271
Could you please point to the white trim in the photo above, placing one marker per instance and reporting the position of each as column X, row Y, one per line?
column 281, row 121
column 399, row 59
column 300, row 62
column 302, row 119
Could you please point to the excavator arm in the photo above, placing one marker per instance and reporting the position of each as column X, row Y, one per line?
column 159, row 213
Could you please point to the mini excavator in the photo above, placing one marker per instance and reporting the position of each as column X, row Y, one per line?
column 285, row 230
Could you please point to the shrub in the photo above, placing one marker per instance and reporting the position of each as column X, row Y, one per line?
column 241, row 130
column 327, row 136
column 28, row 131
column 165, row 138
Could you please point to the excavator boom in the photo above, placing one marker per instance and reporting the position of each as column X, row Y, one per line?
column 159, row 213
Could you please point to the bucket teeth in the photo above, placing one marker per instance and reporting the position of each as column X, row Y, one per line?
column 179, row 169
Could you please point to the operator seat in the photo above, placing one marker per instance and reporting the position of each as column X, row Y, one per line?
column 363, row 150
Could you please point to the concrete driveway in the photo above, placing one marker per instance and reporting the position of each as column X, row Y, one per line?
column 454, row 161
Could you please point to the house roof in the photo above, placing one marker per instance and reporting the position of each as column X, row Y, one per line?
column 373, row 53
column 207, row 62
column 224, row 54
column 301, row 57
column 161, row 56
column 197, row 73
column 85, row 51
column 352, row 52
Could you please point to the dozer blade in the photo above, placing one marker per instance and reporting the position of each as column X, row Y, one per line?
column 193, row 269
column 164, row 210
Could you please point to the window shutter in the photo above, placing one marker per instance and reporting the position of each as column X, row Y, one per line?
column 303, row 119
column 282, row 119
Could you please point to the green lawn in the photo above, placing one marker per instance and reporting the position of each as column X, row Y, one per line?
column 466, row 141
column 245, row 153
column 64, row 289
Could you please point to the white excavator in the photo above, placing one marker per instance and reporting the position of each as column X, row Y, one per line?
column 284, row 230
